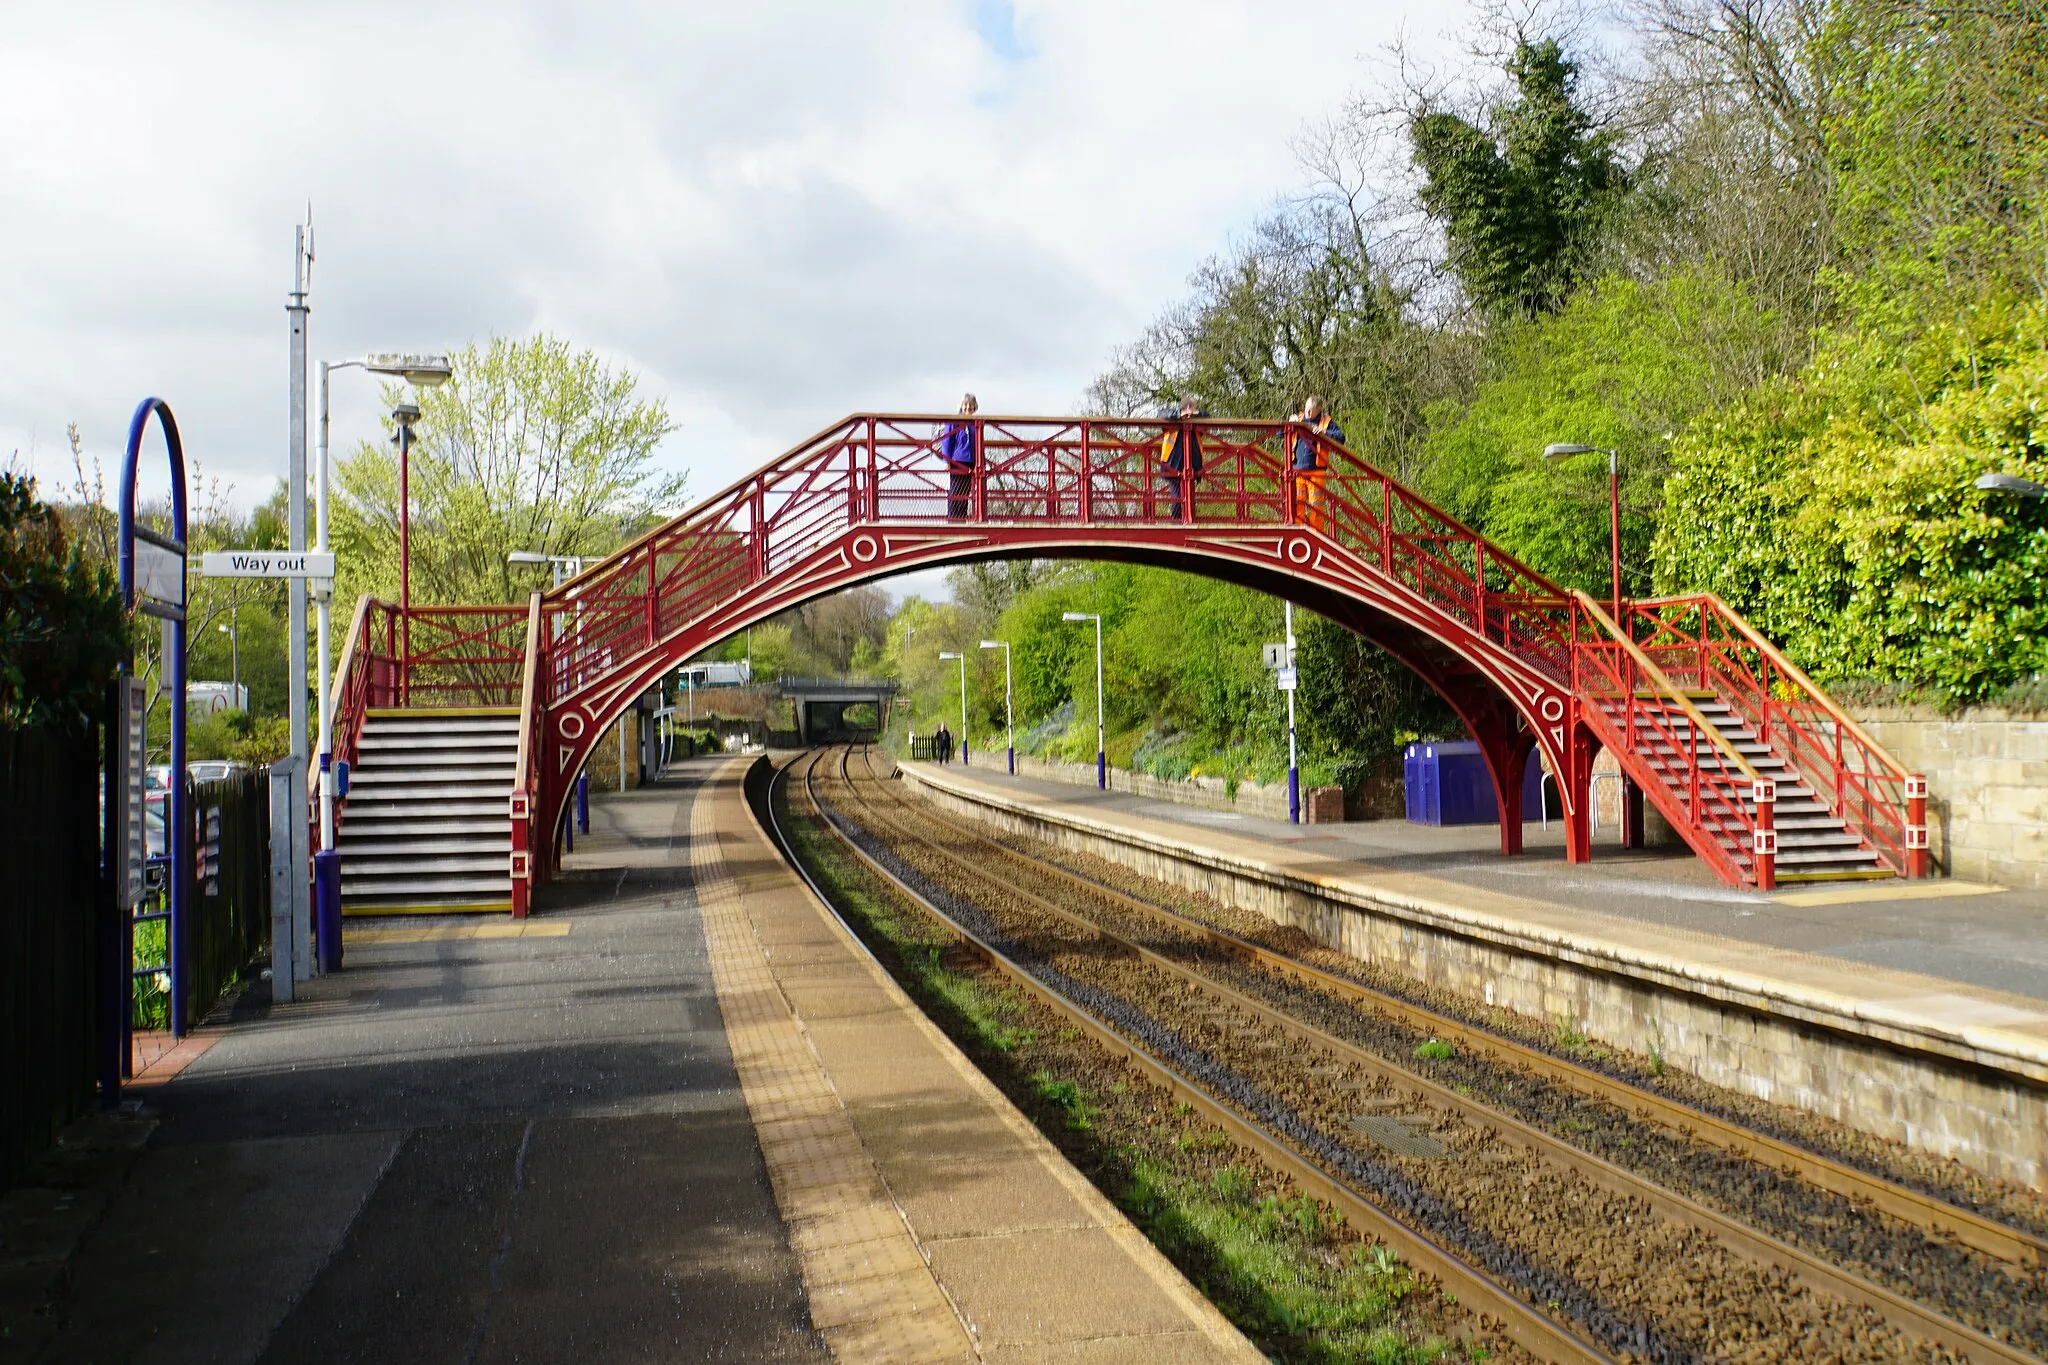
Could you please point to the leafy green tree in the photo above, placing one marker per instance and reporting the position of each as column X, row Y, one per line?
column 1623, row 365
column 62, row 630
column 532, row 446
column 1521, row 199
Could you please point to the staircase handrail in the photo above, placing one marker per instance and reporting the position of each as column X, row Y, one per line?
column 523, row 783
column 522, row 768
column 1791, row 670
column 1720, row 815
column 1855, row 777
column 1663, row 684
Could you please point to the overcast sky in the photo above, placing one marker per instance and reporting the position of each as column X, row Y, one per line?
column 774, row 213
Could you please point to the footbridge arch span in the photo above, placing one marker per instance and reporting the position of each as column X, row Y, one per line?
column 1526, row 663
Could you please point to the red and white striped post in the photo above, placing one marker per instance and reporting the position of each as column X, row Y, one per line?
column 1765, row 793
column 522, row 857
column 1916, row 824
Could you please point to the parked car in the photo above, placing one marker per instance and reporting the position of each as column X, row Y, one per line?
column 216, row 769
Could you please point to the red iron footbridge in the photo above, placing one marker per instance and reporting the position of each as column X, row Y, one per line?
column 1751, row 763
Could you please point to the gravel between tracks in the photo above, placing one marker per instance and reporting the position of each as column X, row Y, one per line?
column 1646, row 1288
column 1964, row 1285
column 1923, row 1171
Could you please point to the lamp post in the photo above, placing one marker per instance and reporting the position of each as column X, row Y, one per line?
column 422, row 372
column 561, row 569
column 1009, row 712
column 1101, row 747
column 1565, row 450
column 1293, row 768
column 951, row 654
column 234, row 634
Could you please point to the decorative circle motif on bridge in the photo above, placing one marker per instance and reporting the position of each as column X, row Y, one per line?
column 864, row 548
column 1553, row 708
column 1298, row 551
column 572, row 726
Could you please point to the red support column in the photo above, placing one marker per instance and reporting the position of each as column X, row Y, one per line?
column 1765, row 793
column 1575, row 787
column 1916, row 825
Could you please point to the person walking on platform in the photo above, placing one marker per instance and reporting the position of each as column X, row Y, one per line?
column 1312, row 463
column 942, row 741
column 957, row 445
column 1181, row 448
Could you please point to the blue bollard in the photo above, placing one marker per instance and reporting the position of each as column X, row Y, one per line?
column 327, row 908
column 583, row 802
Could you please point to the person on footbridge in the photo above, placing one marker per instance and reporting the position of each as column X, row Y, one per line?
column 1312, row 462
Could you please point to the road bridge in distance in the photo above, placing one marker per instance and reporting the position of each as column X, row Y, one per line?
column 829, row 709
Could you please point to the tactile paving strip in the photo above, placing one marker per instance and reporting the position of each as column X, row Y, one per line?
column 872, row 1295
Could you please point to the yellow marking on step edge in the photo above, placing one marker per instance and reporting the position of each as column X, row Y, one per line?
column 554, row 928
column 449, row 711
column 1888, row 891
column 460, row 908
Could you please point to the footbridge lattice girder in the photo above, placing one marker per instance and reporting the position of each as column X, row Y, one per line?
column 1525, row 663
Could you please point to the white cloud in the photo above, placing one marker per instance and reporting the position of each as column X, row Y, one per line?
column 777, row 213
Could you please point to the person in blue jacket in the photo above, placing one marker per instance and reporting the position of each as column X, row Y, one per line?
column 957, row 446
column 1181, row 448
column 1312, row 462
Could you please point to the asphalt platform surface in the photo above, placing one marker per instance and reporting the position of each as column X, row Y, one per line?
column 464, row 1149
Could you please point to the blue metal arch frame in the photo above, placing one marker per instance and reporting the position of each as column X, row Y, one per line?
column 179, row 821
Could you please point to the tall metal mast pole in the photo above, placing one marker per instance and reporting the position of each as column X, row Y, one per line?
column 295, row 658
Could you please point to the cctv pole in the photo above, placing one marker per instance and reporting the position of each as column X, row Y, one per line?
column 963, row 708
column 1293, row 771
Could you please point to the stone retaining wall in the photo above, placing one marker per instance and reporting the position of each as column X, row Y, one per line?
column 1987, row 781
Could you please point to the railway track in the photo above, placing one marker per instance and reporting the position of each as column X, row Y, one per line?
column 1274, row 1051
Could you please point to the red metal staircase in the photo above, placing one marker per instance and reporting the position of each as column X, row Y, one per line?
column 1736, row 748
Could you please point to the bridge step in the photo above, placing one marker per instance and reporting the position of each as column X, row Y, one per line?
column 1814, row 844
column 427, row 823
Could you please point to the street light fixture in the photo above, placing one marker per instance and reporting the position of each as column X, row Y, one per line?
column 1009, row 714
column 1564, row 451
column 2011, row 483
column 565, row 567
column 1101, row 746
column 422, row 372
column 951, row 654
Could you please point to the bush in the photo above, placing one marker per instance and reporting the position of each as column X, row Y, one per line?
column 1837, row 511
column 62, row 630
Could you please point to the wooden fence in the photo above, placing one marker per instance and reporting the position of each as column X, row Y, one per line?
column 49, row 895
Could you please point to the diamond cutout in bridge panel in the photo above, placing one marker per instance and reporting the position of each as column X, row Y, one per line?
column 1398, row 1136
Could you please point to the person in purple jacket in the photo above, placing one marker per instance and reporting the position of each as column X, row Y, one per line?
column 957, row 445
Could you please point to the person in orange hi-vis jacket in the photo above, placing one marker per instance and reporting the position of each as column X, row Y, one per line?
column 1312, row 463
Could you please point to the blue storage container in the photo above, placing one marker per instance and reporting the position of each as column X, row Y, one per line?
column 1448, row 784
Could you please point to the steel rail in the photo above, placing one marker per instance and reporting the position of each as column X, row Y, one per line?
column 1929, row 1212
column 1752, row 1245
column 1521, row 1322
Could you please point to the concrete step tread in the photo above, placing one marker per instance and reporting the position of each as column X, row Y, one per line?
column 483, row 865
column 407, row 892
column 385, row 847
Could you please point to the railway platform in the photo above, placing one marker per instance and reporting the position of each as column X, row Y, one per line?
column 678, row 1114
column 1914, row 1011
